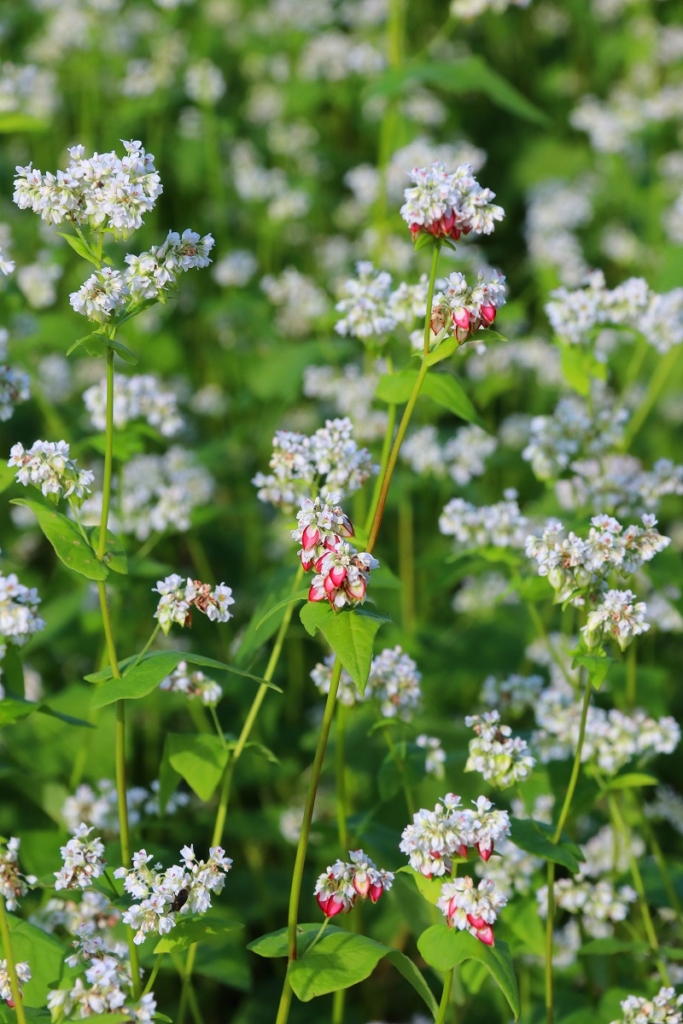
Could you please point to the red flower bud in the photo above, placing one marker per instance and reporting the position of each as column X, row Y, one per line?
column 362, row 888
column 476, row 922
column 485, row 935
column 310, row 537
column 461, row 318
column 316, row 594
column 338, row 574
column 488, row 313
column 376, row 891
column 485, row 854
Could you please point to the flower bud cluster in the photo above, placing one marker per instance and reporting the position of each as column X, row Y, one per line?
column 436, row 837
column 329, row 462
column 338, row 888
column 618, row 616
column 664, row 1008
column 193, row 684
column 48, row 466
column 342, row 572
column 103, row 191
column 158, row 890
column 501, row 525
column 503, row 760
column 138, row 397
column 372, row 309
column 471, row 909
column 13, row 884
column 446, row 204
column 83, row 860
column 23, row 973
column 179, row 597
column 460, row 310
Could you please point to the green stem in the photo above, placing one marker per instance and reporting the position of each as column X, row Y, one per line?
column 657, row 381
column 143, row 652
column 217, row 724
column 108, row 457
column 445, row 997
column 340, row 767
column 319, row 936
column 187, row 983
column 550, row 920
column 338, row 1004
column 631, row 677
column 406, row 563
column 153, row 975
column 400, row 764
column 11, row 966
column 576, row 767
column 384, row 459
column 660, row 860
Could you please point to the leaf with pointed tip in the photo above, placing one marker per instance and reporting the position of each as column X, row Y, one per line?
column 444, row 948
column 350, row 634
column 200, row 759
column 66, row 539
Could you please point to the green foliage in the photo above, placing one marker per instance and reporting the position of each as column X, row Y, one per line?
column 350, row 634
column 444, row 948
column 66, row 539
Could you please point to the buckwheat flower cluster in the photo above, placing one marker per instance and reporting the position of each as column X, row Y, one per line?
column 480, row 595
column 447, row 205
column 103, row 191
column 15, row 384
column 572, row 430
column 619, row 484
column 141, row 396
column 461, row 309
column 93, row 913
column 19, row 617
column 471, row 909
column 344, row 882
column 501, row 525
column 327, row 462
column 23, row 973
column 157, row 889
column 372, row 309
column 351, row 391
column 347, row 692
column 605, row 852
column 501, row 758
column 395, row 682
column 667, row 806
column 13, row 883
column 193, row 683
column 342, row 575
column 299, row 301
column 83, row 860
column 179, row 597
column 98, row 806
column 435, row 837
column 664, row 1008
column 576, row 567
column 436, row 755
column 462, row 457
column 600, row 904
column 48, row 466
column 515, row 694
column 619, row 616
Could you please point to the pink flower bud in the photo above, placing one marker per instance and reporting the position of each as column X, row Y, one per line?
column 462, row 334
column 338, row 574
column 361, row 887
column 332, row 543
column 330, row 906
column 476, row 922
column 461, row 318
column 310, row 537
column 462, row 850
column 485, row 853
column 357, row 590
column 316, row 593
column 329, row 584
column 376, row 891
column 485, row 935
column 488, row 313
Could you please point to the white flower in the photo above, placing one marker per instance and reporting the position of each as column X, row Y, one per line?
column 138, row 397
column 15, row 385
column 667, row 806
column 499, row 525
column 83, row 860
column 179, row 596
column 395, row 682
column 192, row 684
column 449, row 204
column 23, row 973
column 664, row 1008
column 48, row 466
column 599, row 903
column 619, row 615
column 338, row 888
column 19, row 617
column 436, row 755
column 470, row 909
column 499, row 757
column 435, row 837
column 13, row 884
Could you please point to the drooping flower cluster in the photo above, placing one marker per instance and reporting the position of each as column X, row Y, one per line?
column 14, row 384
column 500, row 757
column 48, row 466
column 179, row 597
column 97, row 805
column 600, row 903
column 193, row 683
column 13, row 884
column 108, row 292
column 394, row 682
column 83, row 860
column 447, row 205
column 328, row 462
column 158, row 890
column 372, row 309
column 462, row 309
column 462, row 457
column 23, row 973
column 664, row 1008
column 139, row 397
column 338, row 888
column 436, row 837
column 103, row 191
column 513, row 871
column 342, row 572
column 501, row 525
column 471, row 909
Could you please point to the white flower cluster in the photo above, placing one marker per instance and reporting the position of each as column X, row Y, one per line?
column 342, row 572
column 620, row 484
column 605, row 852
column 667, row 806
column 436, row 755
column 612, row 737
column 449, row 204
column 471, row 909
column 13, row 884
column 462, row 309
column 108, row 292
column 436, row 837
column 479, row 595
column 19, row 617
column 394, row 682
column 91, row 914
column 575, row 315
column 352, row 391
column 15, row 384
column 599, row 903
column 193, row 683
column 501, row 525
column 664, row 1008
column 513, row 871
column 48, row 466
column 108, row 986
column 338, row 888
column 98, row 806
column 571, row 430
column 555, row 209
column 23, row 973
column 462, row 457
column 619, row 615
column 372, row 309
column 83, row 860
column 141, row 396
column 328, row 462
column 255, row 183
column 28, row 89
column 473, row 8
column 530, row 356
column 236, row 269
column 515, row 694
column 158, row 890
column 179, row 597
column 501, row 758
column 103, row 191
column 299, row 301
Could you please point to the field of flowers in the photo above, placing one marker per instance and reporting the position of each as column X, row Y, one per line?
column 341, row 514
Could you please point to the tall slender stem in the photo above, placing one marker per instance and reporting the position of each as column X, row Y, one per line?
column 11, row 966
column 631, row 677
column 445, row 997
column 340, row 779
column 657, row 381
column 108, row 457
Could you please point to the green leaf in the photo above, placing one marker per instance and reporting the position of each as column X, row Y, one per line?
column 579, row 366
column 275, row 944
column 632, row 780
column 66, row 539
column 536, row 837
column 254, row 635
column 444, row 948
column 396, row 388
column 596, row 665
column 442, row 351
column 81, row 341
column 424, row 239
column 350, row 634
column 190, row 930
column 430, row 888
column 199, row 758
column 79, row 246
column 446, row 391
column 8, row 475
column 13, row 710
column 15, row 122
column 122, row 351
column 301, row 595
column 43, row 953
column 115, row 557
column 140, row 679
